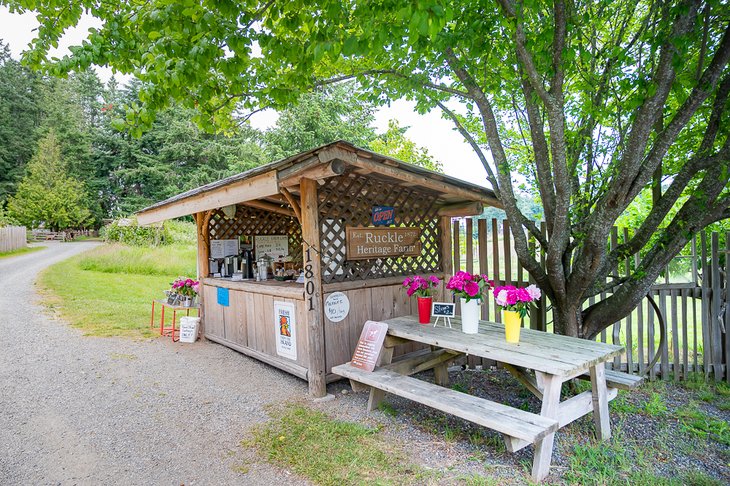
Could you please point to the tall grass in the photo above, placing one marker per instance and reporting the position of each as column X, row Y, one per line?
column 108, row 291
column 136, row 260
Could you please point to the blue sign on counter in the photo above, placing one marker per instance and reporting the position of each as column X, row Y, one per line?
column 223, row 297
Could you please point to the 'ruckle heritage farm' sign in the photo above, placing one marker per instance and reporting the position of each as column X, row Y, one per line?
column 369, row 243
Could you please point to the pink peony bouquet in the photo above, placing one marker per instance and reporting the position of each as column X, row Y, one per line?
column 420, row 286
column 186, row 287
column 516, row 299
column 467, row 286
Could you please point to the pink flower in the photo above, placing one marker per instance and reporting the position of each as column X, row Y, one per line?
column 523, row 295
column 471, row 288
column 534, row 292
column 434, row 280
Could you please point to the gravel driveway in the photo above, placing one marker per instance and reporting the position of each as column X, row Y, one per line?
column 81, row 410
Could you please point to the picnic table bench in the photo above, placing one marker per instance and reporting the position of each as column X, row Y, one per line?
column 552, row 359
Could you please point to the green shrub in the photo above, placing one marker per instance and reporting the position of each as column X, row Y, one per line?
column 6, row 219
column 127, row 231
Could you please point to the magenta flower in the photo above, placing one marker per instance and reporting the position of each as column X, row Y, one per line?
column 420, row 286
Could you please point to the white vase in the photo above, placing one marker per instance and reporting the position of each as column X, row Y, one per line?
column 470, row 316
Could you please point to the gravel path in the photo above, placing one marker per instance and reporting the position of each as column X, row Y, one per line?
column 80, row 410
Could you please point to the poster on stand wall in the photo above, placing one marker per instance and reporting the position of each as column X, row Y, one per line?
column 285, row 325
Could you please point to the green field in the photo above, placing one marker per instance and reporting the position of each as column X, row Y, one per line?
column 108, row 291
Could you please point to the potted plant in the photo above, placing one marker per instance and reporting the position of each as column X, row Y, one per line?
column 515, row 302
column 187, row 289
column 421, row 287
column 470, row 288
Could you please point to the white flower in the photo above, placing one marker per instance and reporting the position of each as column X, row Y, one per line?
column 501, row 298
column 534, row 291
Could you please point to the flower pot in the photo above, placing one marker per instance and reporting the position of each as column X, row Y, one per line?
column 188, row 302
column 470, row 316
column 424, row 310
column 512, row 325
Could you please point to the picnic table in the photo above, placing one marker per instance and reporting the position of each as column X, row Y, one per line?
column 541, row 361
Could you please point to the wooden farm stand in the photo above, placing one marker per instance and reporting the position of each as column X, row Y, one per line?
column 313, row 197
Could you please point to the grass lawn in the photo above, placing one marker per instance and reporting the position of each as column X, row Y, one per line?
column 21, row 251
column 663, row 434
column 108, row 290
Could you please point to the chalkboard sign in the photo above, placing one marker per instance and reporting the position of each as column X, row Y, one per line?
column 443, row 309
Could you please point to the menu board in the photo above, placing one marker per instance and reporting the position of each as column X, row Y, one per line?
column 271, row 245
column 224, row 248
column 369, row 346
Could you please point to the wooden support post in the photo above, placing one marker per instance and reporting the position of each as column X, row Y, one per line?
column 600, row 402
column 313, row 288
column 544, row 448
column 376, row 394
column 201, row 222
column 446, row 251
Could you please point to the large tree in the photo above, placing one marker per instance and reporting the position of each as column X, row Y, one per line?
column 592, row 101
column 19, row 118
column 48, row 195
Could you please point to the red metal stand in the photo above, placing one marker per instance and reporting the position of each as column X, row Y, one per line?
column 170, row 330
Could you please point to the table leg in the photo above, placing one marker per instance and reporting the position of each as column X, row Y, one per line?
column 174, row 316
column 152, row 318
column 601, row 418
column 162, row 321
column 377, row 395
column 544, row 448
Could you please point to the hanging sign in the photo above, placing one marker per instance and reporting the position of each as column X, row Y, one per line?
column 379, row 242
column 383, row 215
column 285, row 326
column 336, row 306
column 369, row 346
column 271, row 245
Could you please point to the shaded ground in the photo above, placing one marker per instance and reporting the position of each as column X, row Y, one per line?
column 85, row 410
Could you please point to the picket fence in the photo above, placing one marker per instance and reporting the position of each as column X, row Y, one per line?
column 691, row 297
column 12, row 238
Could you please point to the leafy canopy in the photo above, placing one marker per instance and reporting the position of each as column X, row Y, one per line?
column 592, row 102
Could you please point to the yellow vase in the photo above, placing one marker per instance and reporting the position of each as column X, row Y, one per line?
column 512, row 325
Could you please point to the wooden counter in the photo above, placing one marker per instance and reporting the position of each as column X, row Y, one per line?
column 287, row 290
column 248, row 325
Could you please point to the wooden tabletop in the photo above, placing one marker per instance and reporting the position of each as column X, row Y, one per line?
column 541, row 351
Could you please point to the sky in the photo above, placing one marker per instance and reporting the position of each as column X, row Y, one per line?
column 430, row 130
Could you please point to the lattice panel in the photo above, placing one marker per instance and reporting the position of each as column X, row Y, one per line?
column 348, row 201
column 251, row 221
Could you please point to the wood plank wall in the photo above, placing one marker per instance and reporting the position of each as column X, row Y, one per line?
column 12, row 238
column 695, row 312
column 249, row 322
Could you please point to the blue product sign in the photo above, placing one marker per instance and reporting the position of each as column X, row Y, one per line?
column 223, row 297
column 383, row 215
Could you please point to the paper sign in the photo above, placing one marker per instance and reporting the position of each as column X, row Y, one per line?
column 336, row 306
column 443, row 309
column 223, row 297
column 369, row 346
column 285, row 328
column 189, row 329
column 383, row 215
column 271, row 245
column 224, row 248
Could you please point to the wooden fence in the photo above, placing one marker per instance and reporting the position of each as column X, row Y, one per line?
column 12, row 238
column 691, row 295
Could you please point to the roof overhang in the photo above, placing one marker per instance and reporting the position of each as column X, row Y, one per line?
column 270, row 185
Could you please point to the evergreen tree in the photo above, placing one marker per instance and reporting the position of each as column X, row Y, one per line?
column 19, row 117
column 47, row 194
